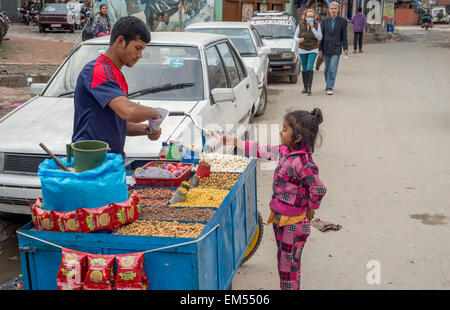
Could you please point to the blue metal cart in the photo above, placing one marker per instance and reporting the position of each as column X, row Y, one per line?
column 207, row 262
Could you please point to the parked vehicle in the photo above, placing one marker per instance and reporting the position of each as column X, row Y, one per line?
column 201, row 74
column 440, row 15
column 26, row 18
column 251, row 47
column 426, row 20
column 4, row 25
column 56, row 16
column 277, row 30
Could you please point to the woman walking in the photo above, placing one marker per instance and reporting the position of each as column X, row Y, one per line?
column 101, row 25
column 308, row 35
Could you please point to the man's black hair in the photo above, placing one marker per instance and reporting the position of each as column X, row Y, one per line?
column 131, row 28
column 359, row 9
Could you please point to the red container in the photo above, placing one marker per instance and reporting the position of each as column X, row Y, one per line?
column 203, row 171
column 159, row 182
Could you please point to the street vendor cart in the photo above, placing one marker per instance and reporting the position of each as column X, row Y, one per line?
column 209, row 261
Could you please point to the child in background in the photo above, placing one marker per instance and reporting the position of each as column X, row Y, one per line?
column 297, row 189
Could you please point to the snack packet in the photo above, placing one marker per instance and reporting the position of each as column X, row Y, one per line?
column 130, row 272
column 42, row 219
column 66, row 221
column 100, row 273
column 91, row 220
column 72, row 269
column 125, row 212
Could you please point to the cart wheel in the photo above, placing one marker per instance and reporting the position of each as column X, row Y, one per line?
column 256, row 241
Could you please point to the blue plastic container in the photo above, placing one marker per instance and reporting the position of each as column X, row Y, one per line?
column 67, row 191
column 208, row 262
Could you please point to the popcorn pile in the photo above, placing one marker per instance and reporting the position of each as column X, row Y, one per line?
column 225, row 162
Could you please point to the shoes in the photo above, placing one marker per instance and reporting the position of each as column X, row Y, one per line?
column 360, row 51
column 355, row 51
column 304, row 78
column 329, row 91
column 309, row 77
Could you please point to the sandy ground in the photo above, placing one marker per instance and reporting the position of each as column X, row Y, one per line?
column 384, row 159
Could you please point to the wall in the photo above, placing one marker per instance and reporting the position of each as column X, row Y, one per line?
column 405, row 17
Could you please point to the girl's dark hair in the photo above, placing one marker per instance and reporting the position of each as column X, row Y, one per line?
column 305, row 124
column 131, row 28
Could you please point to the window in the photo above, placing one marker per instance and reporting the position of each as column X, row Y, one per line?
column 230, row 65
column 239, row 65
column 216, row 72
column 257, row 38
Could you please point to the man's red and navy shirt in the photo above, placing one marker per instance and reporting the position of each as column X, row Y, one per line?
column 98, row 83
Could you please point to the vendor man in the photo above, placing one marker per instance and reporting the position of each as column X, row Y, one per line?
column 102, row 109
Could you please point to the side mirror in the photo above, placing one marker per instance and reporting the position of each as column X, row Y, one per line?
column 223, row 95
column 37, row 88
column 265, row 50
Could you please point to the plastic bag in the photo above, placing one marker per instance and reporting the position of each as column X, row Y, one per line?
column 68, row 191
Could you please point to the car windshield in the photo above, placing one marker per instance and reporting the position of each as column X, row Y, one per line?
column 159, row 65
column 274, row 29
column 240, row 37
column 55, row 8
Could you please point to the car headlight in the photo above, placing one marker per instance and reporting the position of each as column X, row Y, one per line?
column 2, row 161
column 288, row 55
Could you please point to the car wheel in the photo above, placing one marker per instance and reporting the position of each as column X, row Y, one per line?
column 293, row 78
column 72, row 29
column 262, row 102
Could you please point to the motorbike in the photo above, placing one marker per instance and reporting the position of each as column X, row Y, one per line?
column 25, row 11
column 426, row 21
column 4, row 25
column 85, row 14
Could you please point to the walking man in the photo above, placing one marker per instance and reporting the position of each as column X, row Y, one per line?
column 359, row 22
column 334, row 31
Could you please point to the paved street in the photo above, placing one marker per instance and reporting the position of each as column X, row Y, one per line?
column 384, row 159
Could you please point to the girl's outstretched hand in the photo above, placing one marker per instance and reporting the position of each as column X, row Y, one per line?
column 225, row 139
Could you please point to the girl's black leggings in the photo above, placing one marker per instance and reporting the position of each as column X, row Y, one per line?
column 357, row 38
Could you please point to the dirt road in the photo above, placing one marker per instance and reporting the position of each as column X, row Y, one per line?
column 385, row 161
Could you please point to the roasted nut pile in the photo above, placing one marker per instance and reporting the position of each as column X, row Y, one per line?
column 155, row 193
column 219, row 180
column 171, row 213
column 161, row 229
column 155, row 196
column 203, row 197
column 225, row 162
column 158, row 202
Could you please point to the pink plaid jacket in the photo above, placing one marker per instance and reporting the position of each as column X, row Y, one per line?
column 296, row 183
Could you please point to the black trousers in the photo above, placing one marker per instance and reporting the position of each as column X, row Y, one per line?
column 357, row 38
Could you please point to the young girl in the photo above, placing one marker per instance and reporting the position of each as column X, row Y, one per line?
column 297, row 189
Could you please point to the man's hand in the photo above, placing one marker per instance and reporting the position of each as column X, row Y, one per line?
column 320, row 54
column 301, row 40
column 153, row 135
column 346, row 53
column 310, row 214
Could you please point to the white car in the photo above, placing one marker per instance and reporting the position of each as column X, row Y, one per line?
column 251, row 47
column 201, row 74
column 277, row 29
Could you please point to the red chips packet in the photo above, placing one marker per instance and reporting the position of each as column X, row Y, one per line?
column 125, row 212
column 100, row 273
column 66, row 221
column 71, row 272
column 42, row 219
column 91, row 220
column 130, row 272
